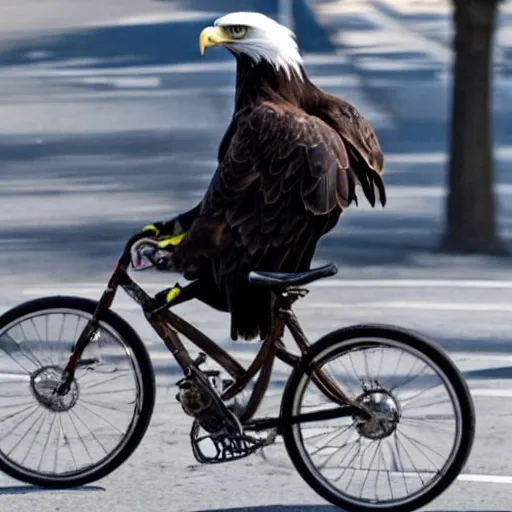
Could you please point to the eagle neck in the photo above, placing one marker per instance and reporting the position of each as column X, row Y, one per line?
column 256, row 82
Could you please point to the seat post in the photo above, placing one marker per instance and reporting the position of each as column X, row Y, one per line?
column 288, row 296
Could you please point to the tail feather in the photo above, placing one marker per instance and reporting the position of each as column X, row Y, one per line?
column 251, row 313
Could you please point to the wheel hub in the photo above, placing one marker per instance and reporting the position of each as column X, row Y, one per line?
column 385, row 414
column 43, row 384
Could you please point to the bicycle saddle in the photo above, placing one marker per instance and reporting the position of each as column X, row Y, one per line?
column 285, row 279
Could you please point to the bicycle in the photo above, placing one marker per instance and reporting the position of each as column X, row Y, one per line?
column 375, row 417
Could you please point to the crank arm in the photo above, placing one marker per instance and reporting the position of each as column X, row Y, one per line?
column 219, row 404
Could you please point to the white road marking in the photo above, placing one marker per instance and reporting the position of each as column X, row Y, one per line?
column 404, row 36
column 491, row 393
column 414, row 283
column 156, row 18
column 405, row 191
column 93, row 290
column 97, row 288
column 486, row 479
column 324, row 59
column 466, row 477
column 414, row 305
column 185, row 67
column 124, row 81
column 14, row 376
column 464, row 360
column 438, row 157
column 309, row 305
column 148, row 81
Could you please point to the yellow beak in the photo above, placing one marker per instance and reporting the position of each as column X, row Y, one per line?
column 211, row 36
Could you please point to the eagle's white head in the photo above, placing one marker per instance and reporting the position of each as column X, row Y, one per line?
column 257, row 36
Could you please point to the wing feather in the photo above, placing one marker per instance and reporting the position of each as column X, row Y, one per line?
column 361, row 143
column 282, row 182
column 281, row 167
column 355, row 130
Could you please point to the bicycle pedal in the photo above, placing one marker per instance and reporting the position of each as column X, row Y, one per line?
column 226, row 383
column 222, row 447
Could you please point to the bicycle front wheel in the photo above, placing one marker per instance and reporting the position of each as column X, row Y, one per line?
column 67, row 441
column 425, row 420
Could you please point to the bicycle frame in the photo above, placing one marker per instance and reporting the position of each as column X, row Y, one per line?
column 167, row 325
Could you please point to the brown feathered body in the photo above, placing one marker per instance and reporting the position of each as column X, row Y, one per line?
column 288, row 165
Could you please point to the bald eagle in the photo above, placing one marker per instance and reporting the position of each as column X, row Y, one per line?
column 288, row 165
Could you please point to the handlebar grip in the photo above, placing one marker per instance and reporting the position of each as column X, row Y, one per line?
column 125, row 259
column 148, row 249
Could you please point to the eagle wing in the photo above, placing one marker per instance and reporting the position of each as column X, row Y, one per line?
column 358, row 133
column 361, row 143
column 283, row 181
column 282, row 168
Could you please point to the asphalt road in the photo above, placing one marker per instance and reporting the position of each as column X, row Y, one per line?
column 103, row 129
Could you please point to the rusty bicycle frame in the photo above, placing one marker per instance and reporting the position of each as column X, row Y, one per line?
column 168, row 324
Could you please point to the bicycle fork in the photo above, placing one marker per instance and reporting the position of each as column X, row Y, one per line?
column 86, row 337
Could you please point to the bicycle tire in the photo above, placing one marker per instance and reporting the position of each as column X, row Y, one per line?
column 343, row 338
column 147, row 384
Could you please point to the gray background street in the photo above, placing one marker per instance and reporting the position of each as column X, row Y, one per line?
column 110, row 118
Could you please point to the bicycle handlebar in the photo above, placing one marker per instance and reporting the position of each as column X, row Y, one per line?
column 146, row 250
column 125, row 258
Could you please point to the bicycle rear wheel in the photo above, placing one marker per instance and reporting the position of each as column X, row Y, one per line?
column 363, row 466
column 67, row 441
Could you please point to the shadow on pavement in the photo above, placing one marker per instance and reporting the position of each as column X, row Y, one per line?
column 29, row 489
column 145, row 44
column 278, row 508
column 123, row 180
column 120, row 180
column 297, row 508
column 114, row 46
column 492, row 345
column 490, row 373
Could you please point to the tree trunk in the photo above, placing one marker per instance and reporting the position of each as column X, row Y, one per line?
column 471, row 206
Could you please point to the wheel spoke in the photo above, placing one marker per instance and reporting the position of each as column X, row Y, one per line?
column 43, row 417
column 46, row 443
column 90, row 431
column 27, row 432
column 379, row 463
column 64, row 437
column 368, row 470
column 102, row 405
column 120, row 373
column 69, row 413
column 17, row 425
column 67, row 443
column 10, row 346
column 12, row 415
column 33, row 358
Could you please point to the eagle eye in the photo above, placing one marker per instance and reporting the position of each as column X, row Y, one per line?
column 236, row 31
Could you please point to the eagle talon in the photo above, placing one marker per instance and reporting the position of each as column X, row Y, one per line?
column 167, row 296
column 173, row 293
